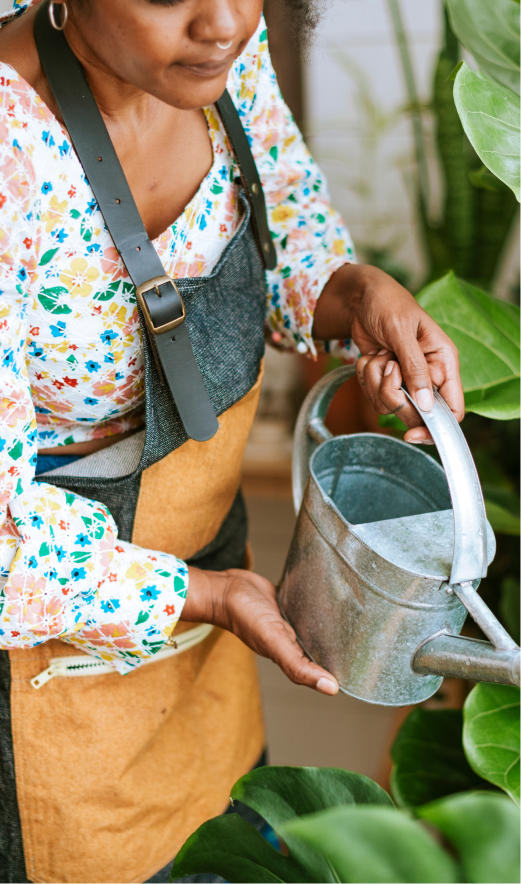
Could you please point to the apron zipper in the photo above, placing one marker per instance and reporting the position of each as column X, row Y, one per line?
column 72, row 667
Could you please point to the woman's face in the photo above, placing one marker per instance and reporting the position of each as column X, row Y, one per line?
column 168, row 48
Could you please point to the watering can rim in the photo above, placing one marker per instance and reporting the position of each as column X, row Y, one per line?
column 470, row 560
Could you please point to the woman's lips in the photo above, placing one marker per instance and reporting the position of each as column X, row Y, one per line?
column 208, row 69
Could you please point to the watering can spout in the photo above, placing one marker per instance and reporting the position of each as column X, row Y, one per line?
column 454, row 656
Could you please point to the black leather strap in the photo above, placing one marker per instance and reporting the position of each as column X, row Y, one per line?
column 250, row 178
column 161, row 304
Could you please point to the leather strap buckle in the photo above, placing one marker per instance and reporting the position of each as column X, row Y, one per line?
column 160, row 304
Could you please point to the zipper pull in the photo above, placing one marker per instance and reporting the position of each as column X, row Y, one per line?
column 43, row 677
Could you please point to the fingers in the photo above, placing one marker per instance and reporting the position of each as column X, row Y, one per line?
column 381, row 379
column 415, row 372
column 298, row 668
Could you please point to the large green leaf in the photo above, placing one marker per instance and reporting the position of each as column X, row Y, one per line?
column 509, row 606
column 490, row 32
column 491, row 735
column 490, row 116
column 373, row 844
column 483, row 828
column 486, row 333
column 280, row 794
column 501, row 517
column 429, row 761
column 230, row 847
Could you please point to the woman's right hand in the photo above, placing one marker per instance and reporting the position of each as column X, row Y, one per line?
column 245, row 603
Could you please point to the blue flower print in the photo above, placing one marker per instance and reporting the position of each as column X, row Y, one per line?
column 48, row 139
column 92, row 366
column 83, row 540
column 108, row 336
column 8, row 359
column 149, row 592
column 36, row 351
column 60, row 235
column 78, row 573
column 46, row 187
column 32, row 562
column 58, row 330
column 110, row 605
column 36, row 521
column 60, row 553
column 89, row 400
column 64, row 149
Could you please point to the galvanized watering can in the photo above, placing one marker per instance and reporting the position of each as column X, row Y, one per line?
column 387, row 554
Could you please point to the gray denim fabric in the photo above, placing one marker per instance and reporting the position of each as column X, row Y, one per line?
column 225, row 318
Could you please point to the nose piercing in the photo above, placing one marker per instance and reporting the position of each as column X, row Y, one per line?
column 224, row 45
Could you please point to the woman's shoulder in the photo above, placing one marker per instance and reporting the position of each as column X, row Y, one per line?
column 21, row 108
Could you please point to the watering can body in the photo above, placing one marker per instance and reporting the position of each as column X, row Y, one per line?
column 379, row 577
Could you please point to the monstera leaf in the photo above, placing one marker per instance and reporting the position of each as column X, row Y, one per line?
column 490, row 32
column 491, row 735
column 489, row 113
column 486, row 333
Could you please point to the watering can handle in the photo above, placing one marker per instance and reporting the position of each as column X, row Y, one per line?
column 470, row 525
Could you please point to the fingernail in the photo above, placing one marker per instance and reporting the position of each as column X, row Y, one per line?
column 371, row 353
column 327, row 686
column 424, row 399
column 382, row 352
column 388, row 368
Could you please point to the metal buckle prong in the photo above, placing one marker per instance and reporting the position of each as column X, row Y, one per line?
column 148, row 287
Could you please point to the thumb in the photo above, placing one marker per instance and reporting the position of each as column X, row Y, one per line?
column 415, row 372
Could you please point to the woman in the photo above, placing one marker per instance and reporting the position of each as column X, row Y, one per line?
column 113, row 773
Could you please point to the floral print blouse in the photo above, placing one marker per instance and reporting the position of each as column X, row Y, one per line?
column 71, row 360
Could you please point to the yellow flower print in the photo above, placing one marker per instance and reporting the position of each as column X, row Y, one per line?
column 283, row 213
column 78, row 278
column 55, row 213
column 339, row 247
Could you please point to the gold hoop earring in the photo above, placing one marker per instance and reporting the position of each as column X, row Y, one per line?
column 64, row 16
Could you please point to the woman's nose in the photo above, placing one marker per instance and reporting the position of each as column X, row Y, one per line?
column 217, row 22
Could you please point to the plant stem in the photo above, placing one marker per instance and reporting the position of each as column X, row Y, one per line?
column 416, row 115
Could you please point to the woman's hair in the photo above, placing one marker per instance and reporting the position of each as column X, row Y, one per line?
column 305, row 16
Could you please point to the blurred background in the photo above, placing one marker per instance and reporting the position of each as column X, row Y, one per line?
column 371, row 95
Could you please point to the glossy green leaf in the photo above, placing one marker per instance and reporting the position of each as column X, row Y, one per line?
column 280, row 794
column 429, row 761
column 509, row 606
column 490, row 32
column 501, row 519
column 374, row 844
column 483, row 828
column 486, row 333
column 489, row 113
column 230, row 847
column 491, row 735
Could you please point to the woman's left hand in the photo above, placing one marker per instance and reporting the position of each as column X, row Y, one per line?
column 397, row 340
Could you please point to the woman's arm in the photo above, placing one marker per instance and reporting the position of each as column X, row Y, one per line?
column 397, row 340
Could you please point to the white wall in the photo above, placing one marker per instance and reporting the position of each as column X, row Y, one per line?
column 355, row 95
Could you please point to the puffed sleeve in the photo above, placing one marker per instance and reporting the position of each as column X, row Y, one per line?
column 64, row 573
column 310, row 237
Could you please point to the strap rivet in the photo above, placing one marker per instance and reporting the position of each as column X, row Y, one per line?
column 118, row 201
column 254, row 188
column 266, row 246
column 99, row 159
